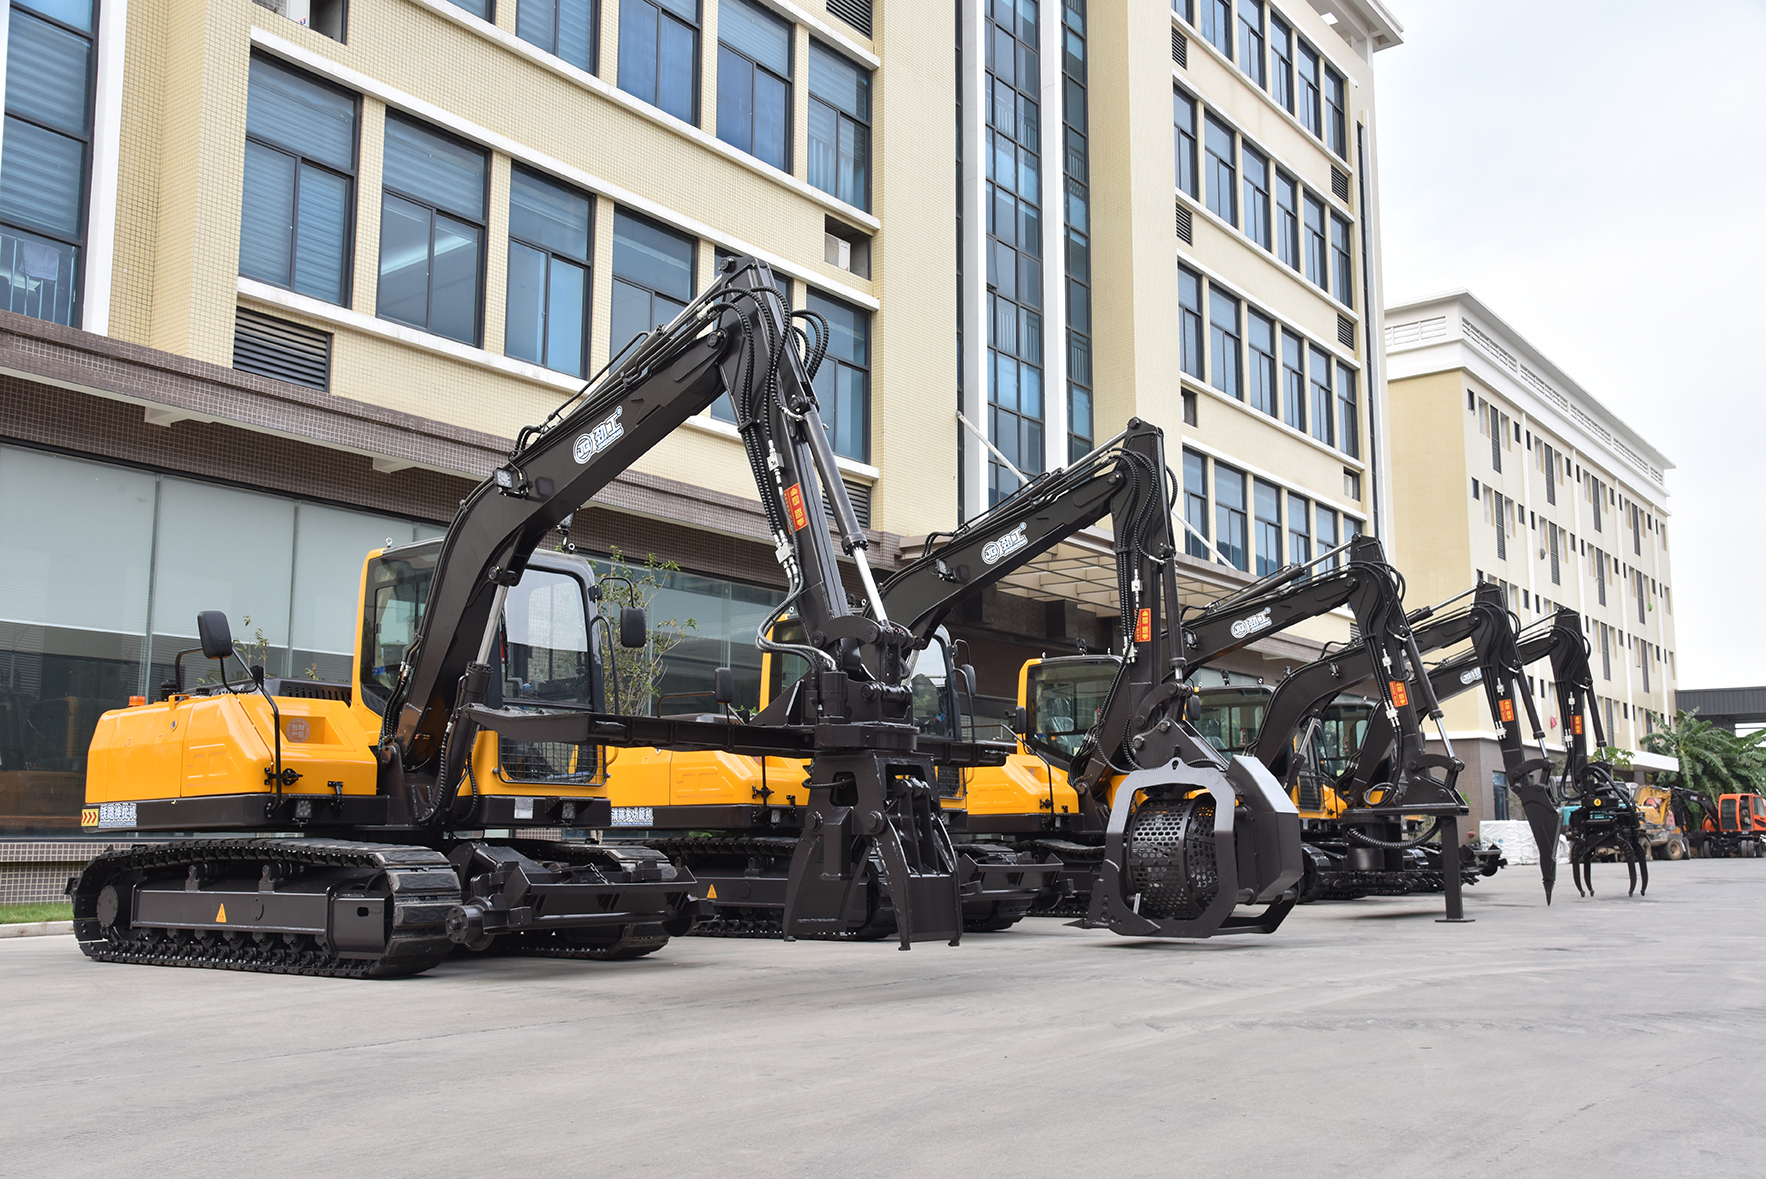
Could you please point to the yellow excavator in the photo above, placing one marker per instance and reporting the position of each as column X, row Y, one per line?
column 478, row 705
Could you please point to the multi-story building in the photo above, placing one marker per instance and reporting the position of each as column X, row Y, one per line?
column 1173, row 215
column 1506, row 470
column 284, row 278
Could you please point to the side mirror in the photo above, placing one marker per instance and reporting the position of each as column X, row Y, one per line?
column 723, row 685
column 634, row 630
column 968, row 670
column 1021, row 721
column 214, row 634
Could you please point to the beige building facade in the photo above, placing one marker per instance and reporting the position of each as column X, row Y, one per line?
column 1507, row 470
column 283, row 280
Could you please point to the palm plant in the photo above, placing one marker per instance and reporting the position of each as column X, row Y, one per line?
column 1713, row 761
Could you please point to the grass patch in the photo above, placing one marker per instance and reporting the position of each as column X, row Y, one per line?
column 50, row 911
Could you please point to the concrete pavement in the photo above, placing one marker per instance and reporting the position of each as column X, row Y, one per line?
column 1613, row 1035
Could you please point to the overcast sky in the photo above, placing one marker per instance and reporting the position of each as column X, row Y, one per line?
column 1596, row 174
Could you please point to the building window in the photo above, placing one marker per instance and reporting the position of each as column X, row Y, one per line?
column 1217, row 25
column 1225, row 369
column 1336, row 117
column 1189, row 314
column 1256, row 169
column 550, row 228
column 652, row 276
column 1191, row 413
column 1554, row 544
column 659, row 54
column 1229, row 516
column 1195, row 505
column 1315, row 243
column 1549, row 467
column 1268, row 508
column 479, row 8
column 1251, row 39
column 299, row 194
column 563, row 28
column 1014, row 246
column 1287, row 219
column 1497, row 432
column 839, row 127
column 1595, row 498
column 1281, row 62
column 1352, row 484
column 1184, row 119
column 43, row 168
column 1260, row 334
column 754, row 81
column 431, row 231
column 1299, row 530
column 1306, row 70
column 1342, row 272
column 1320, row 366
column 1348, row 414
column 843, row 383
column 1327, row 534
column 1294, row 381
column 1222, row 199
column 1080, row 435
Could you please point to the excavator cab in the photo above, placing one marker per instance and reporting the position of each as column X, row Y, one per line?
column 1062, row 699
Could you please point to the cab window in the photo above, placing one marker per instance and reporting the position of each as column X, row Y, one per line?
column 398, row 587
column 1064, row 703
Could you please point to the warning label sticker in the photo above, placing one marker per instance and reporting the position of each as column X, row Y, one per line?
column 633, row 816
column 794, row 505
column 89, row 816
column 1400, row 695
column 1507, row 708
column 108, row 814
column 1143, row 626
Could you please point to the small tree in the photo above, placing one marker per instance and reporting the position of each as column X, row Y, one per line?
column 639, row 671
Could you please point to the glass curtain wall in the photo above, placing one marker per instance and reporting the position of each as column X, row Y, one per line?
column 1014, row 243
column 85, row 625
column 1080, row 429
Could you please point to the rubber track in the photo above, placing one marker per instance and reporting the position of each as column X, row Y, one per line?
column 421, row 884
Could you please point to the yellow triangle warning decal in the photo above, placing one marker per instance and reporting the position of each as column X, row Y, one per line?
column 221, row 917
column 711, row 893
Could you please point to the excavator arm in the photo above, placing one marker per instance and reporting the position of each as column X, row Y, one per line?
column 1496, row 660
column 850, row 714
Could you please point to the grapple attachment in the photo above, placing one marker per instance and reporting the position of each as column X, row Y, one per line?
column 1187, row 845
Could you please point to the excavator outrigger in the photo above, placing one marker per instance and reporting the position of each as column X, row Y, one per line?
column 404, row 872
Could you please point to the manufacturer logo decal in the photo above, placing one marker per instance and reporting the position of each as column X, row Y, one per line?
column 1011, row 542
column 600, row 438
column 1251, row 625
column 1471, row 675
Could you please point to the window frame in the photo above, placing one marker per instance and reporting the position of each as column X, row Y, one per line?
column 789, row 81
column 698, row 81
column 1342, row 260
column 351, row 178
column 614, row 344
column 1222, row 174
column 1266, row 528
column 435, row 210
column 587, row 262
column 1348, row 410
column 1309, row 92
column 1189, row 138
column 1336, row 114
column 841, row 113
column 1191, row 318
column 1264, row 370
column 1294, row 388
column 1217, row 344
column 83, row 214
column 1195, row 506
column 1226, row 517
column 1318, row 236
column 1257, row 213
column 832, row 415
column 1323, row 420
column 1282, row 75
column 594, row 66
column 1286, row 223
column 1215, row 30
column 1251, row 41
